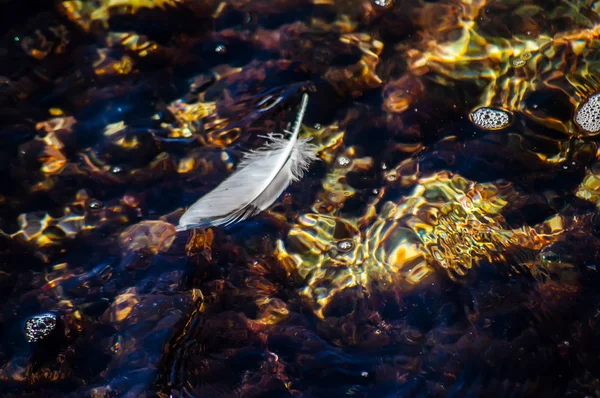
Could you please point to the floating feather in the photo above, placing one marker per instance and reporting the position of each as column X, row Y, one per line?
column 260, row 178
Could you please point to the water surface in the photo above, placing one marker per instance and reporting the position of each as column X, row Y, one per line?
column 444, row 245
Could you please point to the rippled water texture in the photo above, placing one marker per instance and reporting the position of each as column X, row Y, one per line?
column 446, row 242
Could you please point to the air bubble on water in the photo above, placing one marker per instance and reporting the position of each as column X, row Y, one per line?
column 95, row 204
column 490, row 118
column 517, row 63
column 345, row 245
column 343, row 161
column 382, row 3
column 39, row 327
column 587, row 116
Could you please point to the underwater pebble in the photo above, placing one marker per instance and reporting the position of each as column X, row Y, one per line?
column 490, row 119
column 39, row 327
column 588, row 114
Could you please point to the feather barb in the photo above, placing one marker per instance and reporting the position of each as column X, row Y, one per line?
column 260, row 178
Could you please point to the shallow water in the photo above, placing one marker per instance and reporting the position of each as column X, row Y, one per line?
column 445, row 243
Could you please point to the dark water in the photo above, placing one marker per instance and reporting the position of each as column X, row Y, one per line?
column 445, row 243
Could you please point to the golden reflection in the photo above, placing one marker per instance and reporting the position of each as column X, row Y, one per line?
column 114, row 128
column 43, row 231
column 200, row 120
column 188, row 113
column 400, row 94
column 109, row 66
column 363, row 75
column 444, row 228
column 589, row 189
column 186, row 165
column 84, row 13
column 272, row 310
column 122, row 306
column 335, row 189
column 507, row 69
column 133, row 42
column 52, row 156
column 43, row 42
column 327, row 138
column 200, row 243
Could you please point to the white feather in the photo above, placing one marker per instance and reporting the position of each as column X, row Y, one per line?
column 260, row 178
